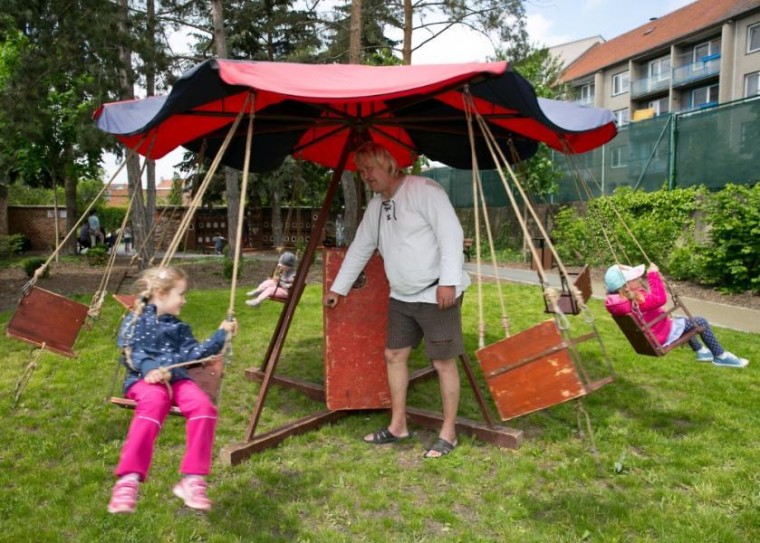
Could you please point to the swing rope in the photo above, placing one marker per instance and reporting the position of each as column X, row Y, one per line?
column 478, row 196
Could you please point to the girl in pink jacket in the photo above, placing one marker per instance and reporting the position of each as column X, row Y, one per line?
column 627, row 295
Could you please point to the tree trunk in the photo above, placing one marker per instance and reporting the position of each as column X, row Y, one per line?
column 127, row 92
column 347, row 181
column 277, row 230
column 150, row 82
column 231, row 176
column 406, row 47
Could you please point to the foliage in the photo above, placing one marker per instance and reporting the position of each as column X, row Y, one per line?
column 732, row 255
column 628, row 226
column 30, row 265
column 97, row 256
column 11, row 245
column 111, row 218
column 228, row 265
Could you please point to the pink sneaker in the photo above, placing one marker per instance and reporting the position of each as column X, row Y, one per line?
column 192, row 489
column 124, row 495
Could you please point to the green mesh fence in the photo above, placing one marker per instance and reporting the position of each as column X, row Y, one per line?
column 710, row 147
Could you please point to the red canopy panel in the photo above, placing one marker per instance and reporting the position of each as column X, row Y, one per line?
column 313, row 111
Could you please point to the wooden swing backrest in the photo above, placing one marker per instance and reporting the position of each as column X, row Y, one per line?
column 642, row 338
column 207, row 376
column 535, row 369
column 49, row 319
column 567, row 302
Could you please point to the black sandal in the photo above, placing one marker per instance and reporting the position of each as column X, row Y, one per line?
column 442, row 447
column 383, row 436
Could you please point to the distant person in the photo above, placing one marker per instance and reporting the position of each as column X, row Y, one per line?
column 85, row 241
column 626, row 295
column 127, row 237
column 94, row 224
column 279, row 284
column 218, row 242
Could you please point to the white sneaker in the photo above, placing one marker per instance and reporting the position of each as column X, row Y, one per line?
column 730, row 360
column 252, row 293
column 252, row 303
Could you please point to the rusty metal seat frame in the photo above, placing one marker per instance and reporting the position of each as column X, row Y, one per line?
column 641, row 337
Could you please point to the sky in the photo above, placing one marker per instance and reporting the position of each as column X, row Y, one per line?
column 549, row 23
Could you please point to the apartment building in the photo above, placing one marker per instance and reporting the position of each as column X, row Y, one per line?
column 703, row 54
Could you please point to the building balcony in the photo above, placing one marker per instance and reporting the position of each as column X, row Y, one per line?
column 650, row 85
column 704, row 68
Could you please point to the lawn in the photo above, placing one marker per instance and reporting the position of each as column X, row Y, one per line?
column 677, row 449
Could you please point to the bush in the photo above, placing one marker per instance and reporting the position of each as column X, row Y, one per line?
column 30, row 265
column 13, row 245
column 97, row 256
column 733, row 254
column 228, row 265
column 625, row 224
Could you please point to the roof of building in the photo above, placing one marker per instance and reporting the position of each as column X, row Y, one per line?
column 568, row 52
column 658, row 33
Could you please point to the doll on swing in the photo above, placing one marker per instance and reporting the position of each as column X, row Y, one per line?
column 277, row 286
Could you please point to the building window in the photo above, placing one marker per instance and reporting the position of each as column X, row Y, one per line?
column 616, row 158
column 587, row 94
column 753, row 38
column 704, row 97
column 622, row 116
column 704, row 51
column 620, row 83
column 660, row 106
column 751, row 84
column 659, row 70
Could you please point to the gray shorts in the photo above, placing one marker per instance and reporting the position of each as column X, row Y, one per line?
column 409, row 322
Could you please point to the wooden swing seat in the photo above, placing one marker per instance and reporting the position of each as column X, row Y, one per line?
column 127, row 300
column 534, row 370
column 207, row 376
column 643, row 340
column 567, row 302
column 49, row 319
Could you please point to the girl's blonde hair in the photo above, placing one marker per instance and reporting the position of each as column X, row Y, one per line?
column 635, row 297
column 371, row 153
column 160, row 279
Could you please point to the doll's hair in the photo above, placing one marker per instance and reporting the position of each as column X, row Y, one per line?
column 374, row 154
column 160, row 279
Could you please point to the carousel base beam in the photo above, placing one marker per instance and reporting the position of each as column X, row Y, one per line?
column 236, row 453
column 500, row 436
column 312, row 390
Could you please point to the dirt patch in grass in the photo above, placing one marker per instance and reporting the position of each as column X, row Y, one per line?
column 75, row 277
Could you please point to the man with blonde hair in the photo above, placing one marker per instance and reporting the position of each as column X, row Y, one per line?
column 412, row 223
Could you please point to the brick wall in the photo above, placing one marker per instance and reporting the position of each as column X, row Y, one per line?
column 37, row 223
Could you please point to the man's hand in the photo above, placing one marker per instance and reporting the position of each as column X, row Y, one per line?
column 330, row 299
column 446, row 296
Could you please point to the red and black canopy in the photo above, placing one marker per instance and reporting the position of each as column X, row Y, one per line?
column 313, row 111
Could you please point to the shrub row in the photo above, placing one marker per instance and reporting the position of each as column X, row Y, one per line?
column 661, row 227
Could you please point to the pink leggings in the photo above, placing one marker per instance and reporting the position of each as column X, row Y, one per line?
column 153, row 403
column 268, row 289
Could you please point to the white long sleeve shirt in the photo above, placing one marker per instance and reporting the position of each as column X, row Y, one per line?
column 419, row 237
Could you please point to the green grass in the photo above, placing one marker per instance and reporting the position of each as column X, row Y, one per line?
column 678, row 450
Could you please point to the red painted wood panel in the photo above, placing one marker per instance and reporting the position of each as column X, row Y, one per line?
column 355, row 372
